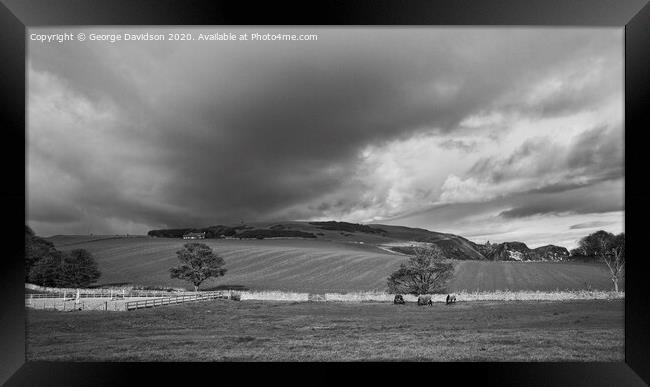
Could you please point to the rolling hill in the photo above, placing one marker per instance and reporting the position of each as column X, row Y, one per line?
column 290, row 265
column 453, row 246
column 330, row 263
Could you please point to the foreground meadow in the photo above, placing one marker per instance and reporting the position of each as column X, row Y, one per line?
column 224, row 330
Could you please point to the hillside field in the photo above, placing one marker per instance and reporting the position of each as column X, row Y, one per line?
column 315, row 266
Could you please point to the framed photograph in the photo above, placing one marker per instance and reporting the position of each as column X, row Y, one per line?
column 210, row 187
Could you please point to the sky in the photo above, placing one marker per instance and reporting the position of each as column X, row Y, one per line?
column 499, row 134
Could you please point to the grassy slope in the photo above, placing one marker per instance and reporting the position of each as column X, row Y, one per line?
column 500, row 275
column 249, row 330
column 315, row 266
column 463, row 248
column 290, row 265
column 445, row 241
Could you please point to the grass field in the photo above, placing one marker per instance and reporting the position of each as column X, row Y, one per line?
column 545, row 276
column 256, row 330
column 316, row 266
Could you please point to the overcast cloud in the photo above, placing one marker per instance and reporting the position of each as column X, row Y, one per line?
column 490, row 133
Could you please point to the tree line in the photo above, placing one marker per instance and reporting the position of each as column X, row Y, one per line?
column 47, row 266
column 241, row 232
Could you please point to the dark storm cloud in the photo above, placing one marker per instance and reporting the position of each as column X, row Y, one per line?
column 581, row 178
column 530, row 158
column 600, row 152
column 601, row 197
column 558, row 206
column 596, row 198
column 55, row 213
column 589, row 225
column 209, row 133
column 594, row 156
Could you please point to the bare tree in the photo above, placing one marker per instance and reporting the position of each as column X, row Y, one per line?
column 424, row 273
column 610, row 249
column 615, row 259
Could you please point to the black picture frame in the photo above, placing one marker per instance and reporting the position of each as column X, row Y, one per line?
column 17, row 15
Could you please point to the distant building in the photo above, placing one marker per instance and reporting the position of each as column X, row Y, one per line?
column 194, row 235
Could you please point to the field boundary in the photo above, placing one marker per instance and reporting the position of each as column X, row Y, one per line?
column 558, row 295
column 58, row 298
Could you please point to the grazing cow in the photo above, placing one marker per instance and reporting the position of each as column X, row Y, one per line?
column 399, row 299
column 451, row 299
column 424, row 300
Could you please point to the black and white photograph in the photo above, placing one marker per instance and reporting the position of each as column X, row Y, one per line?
column 313, row 193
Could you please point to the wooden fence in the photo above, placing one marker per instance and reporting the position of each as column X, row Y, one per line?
column 108, row 294
column 154, row 302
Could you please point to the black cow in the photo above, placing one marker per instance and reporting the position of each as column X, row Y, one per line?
column 424, row 300
column 451, row 299
column 398, row 300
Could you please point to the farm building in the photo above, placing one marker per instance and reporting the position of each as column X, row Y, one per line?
column 194, row 235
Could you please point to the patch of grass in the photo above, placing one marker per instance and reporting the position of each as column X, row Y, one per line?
column 268, row 331
column 524, row 276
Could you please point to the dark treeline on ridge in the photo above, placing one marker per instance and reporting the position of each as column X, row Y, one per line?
column 452, row 246
column 275, row 231
column 242, row 232
column 47, row 266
